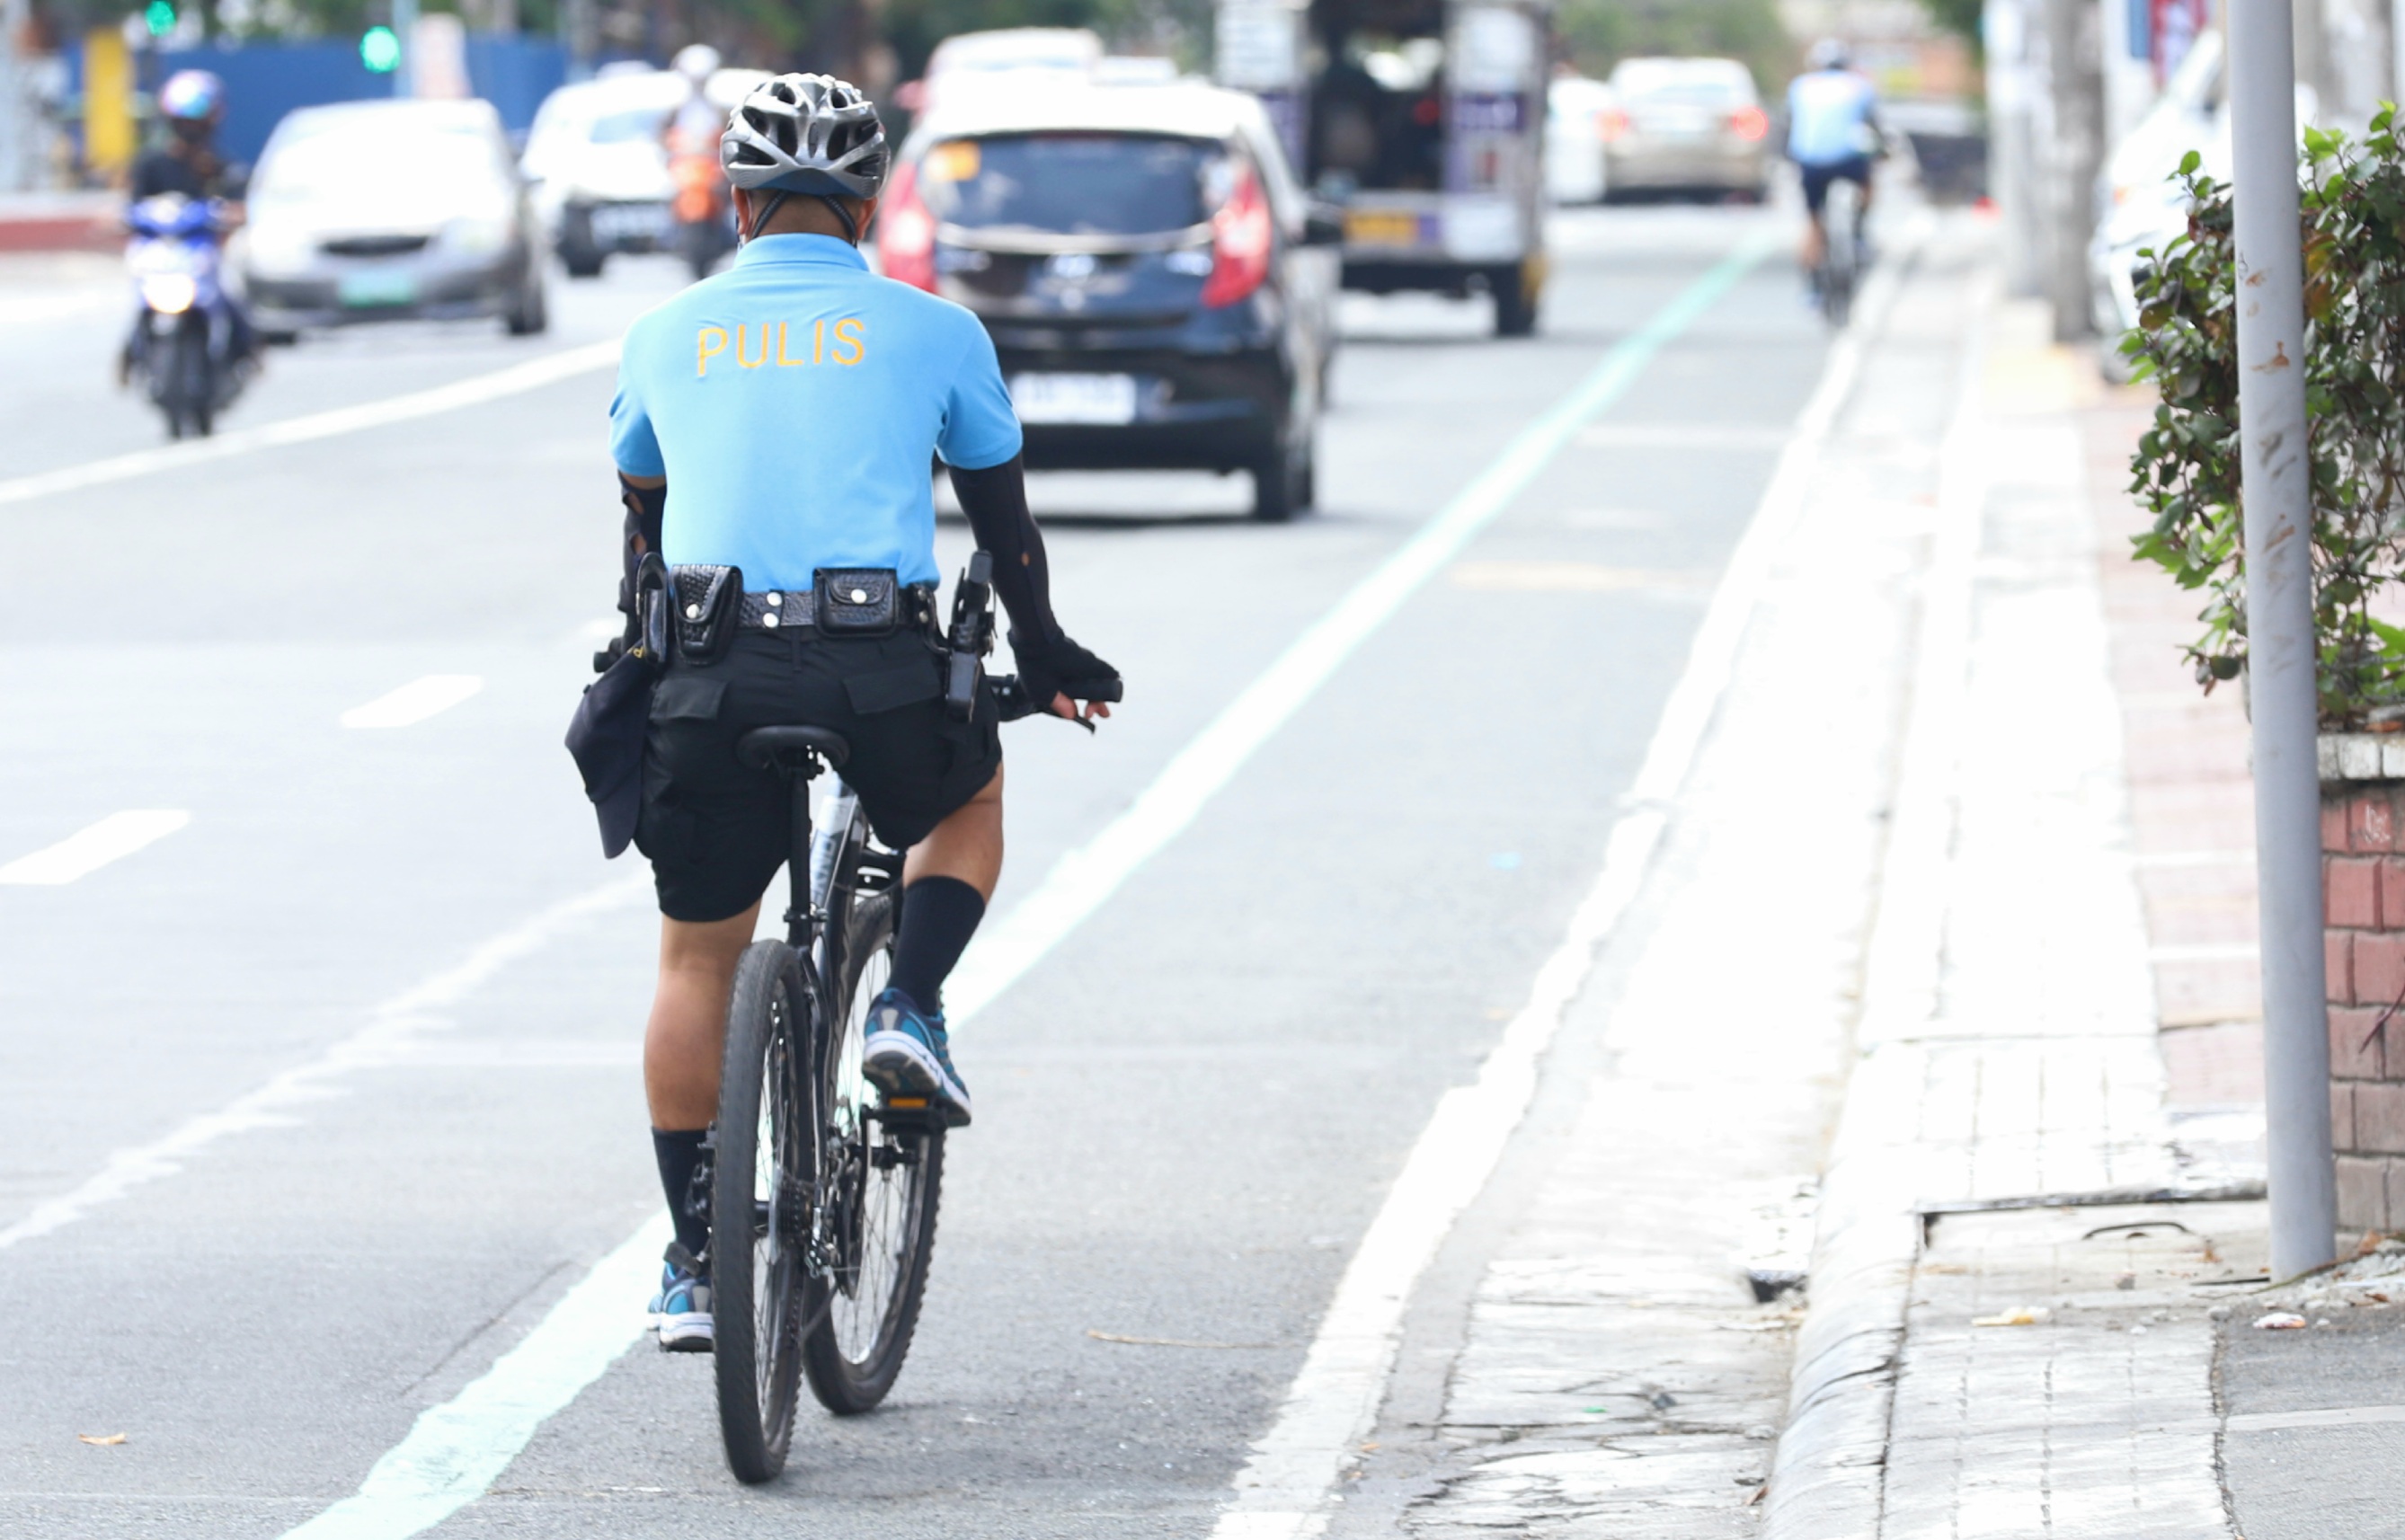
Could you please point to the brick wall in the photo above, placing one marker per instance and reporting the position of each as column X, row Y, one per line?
column 2363, row 898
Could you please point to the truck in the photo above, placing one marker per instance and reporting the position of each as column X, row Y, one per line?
column 1424, row 120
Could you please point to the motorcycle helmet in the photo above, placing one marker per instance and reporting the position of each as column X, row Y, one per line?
column 1831, row 53
column 192, row 96
column 697, row 63
column 807, row 133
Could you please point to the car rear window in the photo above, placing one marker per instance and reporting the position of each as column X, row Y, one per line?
column 1703, row 88
column 617, row 128
column 1073, row 184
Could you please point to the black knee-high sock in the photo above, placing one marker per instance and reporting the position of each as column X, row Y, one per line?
column 679, row 1152
column 939, row 915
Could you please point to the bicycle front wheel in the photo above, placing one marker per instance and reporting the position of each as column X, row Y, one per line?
column 885, row 1169
column 759, row 1208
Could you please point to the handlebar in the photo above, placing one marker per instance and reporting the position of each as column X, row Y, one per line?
column 1011, row 696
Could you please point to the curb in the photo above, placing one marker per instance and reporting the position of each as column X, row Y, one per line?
column 1828, row 1479
column 62, row 221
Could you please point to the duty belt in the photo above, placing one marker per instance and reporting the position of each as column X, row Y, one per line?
column 777, row 609
column 783, row 609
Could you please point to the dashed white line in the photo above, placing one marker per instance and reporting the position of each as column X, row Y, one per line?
column 89, row 850
column 414, row 702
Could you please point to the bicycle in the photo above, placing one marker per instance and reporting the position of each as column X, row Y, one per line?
column 822, row 1195
column 1841, row 250
column 824, row 1190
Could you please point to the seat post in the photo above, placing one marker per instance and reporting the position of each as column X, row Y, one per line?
column 797, row 911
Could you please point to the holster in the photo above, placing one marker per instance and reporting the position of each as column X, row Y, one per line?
column 605, row 737
column 707, row 601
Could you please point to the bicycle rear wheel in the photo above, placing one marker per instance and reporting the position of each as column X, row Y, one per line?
column 759, row 1208
column 885, row 1166
column 1841, row 264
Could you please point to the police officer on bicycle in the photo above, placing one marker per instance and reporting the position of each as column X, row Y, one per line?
column 773, row 429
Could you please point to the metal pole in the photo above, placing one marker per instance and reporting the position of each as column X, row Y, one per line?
column 405, row 28
column 16, row 132
column 2280, row 634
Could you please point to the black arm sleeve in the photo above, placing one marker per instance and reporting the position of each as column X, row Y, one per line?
column 995, row 501
column 645, row 505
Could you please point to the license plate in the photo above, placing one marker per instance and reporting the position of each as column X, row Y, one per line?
column 1073, row 397
column 377, row 286
column 1369, row 227
column 630, row 221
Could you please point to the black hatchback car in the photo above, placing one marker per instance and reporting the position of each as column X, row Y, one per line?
column 1160, row 293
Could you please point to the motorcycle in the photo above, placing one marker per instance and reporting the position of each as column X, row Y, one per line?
column 705, row 228
column 183, row 333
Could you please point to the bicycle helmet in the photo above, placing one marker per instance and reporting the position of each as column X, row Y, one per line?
column 697, row 63
column 192, row 96
column 810, row 135
column 1831, row 53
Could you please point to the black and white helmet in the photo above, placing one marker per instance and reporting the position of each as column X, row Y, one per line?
column 807, row 133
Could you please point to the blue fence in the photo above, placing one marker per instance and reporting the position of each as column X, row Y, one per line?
column 266, row 80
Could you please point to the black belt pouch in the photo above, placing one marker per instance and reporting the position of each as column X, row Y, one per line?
column 857, row 601
column 708, row 601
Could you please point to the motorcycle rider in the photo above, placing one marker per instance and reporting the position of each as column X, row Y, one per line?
column 690, row 137
column 192, row 104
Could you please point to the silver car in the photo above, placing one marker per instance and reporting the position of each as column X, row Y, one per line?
column 369, row 211
column 1686, row 125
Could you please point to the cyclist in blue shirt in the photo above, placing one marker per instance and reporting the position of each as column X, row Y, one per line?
column 1832, row 134
column 779, row 419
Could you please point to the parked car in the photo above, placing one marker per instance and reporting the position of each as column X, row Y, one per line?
column 367, row 211
column 1159, row 290
column 1686, row 125
column 2141, row 204
column 1576, row 106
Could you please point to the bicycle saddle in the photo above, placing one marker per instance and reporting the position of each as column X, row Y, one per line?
column 785, row 745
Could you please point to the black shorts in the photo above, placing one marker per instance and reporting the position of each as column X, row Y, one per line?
column 1817, row 179
column 716, row 831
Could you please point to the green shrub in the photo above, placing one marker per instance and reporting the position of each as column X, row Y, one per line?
column 2185, row 470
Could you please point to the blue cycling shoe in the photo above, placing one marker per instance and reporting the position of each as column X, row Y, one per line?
column 907, row 1054
column 680, row 1310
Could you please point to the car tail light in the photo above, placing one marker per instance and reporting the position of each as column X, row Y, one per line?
column 1612, row 123
column 905, row 232
column 1748, row 123
column 1241, row 239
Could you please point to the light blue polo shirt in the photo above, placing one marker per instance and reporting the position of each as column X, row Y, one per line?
column 794, row 401
column 1827, row 110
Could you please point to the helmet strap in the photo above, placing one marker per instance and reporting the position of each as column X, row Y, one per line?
column 767, row 211
column 851, row 226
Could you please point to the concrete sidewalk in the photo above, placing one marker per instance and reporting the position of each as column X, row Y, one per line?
column 2039, row 1270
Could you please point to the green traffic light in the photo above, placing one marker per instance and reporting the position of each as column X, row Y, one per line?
column 379, row 48
column 159, row 17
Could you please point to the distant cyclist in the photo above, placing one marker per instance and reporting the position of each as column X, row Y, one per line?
column 780, row 417
column 191, row 102
column 1833, row 133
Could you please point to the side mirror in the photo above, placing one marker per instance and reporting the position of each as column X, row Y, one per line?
column 1323, row 225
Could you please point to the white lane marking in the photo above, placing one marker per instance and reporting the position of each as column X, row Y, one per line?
column 92, row 848
column 2336, row 1417
column 515, row 380
column 1085, row 876
column 1079, row 882
column 1287, row 1486
column 391, row 1027
column 414, row 702
column 455, row 1450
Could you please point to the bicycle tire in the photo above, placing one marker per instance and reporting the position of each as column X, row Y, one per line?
column 886, row 1172
column 1841, row 255
column 757, row 1228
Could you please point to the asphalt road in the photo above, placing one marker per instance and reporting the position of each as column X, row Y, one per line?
column 1188, row 1111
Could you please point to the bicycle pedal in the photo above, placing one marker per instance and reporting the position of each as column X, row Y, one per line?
column 906, row 1103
